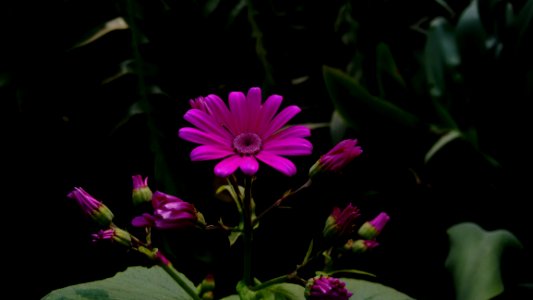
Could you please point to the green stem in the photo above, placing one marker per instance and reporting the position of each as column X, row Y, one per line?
column 285, row 278
column 283, row 198
column 167, row 266
column 247, row 231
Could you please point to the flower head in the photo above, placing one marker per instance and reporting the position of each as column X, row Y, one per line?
column 326, row 288
column 114, row 234
column 244, row 133
column 170, row 212
column 337, row 158
column 341, row 222
column 371, row 229
column 92, row 207
column 141, row 192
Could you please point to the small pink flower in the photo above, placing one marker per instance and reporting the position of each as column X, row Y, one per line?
column 170, row 212
column 141, row 192
column 113, row 234
column 341, row 222
column 92, row 207
column 326, row 288
column 337, row 158
column 373, row 228
column 103, row 235
column 244, row 133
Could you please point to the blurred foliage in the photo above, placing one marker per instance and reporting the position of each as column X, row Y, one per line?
column 437, row 92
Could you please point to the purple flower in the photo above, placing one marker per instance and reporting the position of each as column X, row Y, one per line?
column 170, row 212
column 324, row 287
column 141, row 192
column 341, row 222
column 371, row 229
column 114, row 234
column 244, row 133
column 337, row 158
column 92, row 207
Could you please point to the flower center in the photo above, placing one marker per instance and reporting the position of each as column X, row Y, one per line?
column 247, row 143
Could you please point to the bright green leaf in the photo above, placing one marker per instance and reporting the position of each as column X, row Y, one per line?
column 135, row 283
column 474, row 260
column 111, row 25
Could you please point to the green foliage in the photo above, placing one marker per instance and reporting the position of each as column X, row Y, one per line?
column 474, row 260
column 367, row 290
column 134, row 283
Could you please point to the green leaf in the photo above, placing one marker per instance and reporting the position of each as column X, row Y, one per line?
column 136, row 283
column 337, row 127
column 524, row 23
column 386, row 68
column 366, row 290
column 358, row 107
column 444, row 140
column 441, row 61
column 474, row 260
column 470, row 33
column 111, row 25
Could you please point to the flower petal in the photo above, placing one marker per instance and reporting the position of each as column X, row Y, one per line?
column 292, row 131
column 227, row 166
column 237, row 102
column 279, row 163
column 206, row 123
column 197, row 136
column 249, row 165
column 268, row 110
column 289, row 146
column 281, row 119
column 208, row 152
column 253, row 106
column 218, row 109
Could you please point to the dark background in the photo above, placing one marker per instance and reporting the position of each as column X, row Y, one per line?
column 69, row 122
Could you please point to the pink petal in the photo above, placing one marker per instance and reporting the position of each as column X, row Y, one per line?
column 281, row 119
column 208, row 152
column 249, row 165
column 196, row 136
column 279, row 163
column 253, row 106
column 206, row 122
column 268, row 110
column 292, row 131
column 227, row 166
column 237, row 106
column 289, row 146
column 218, row 109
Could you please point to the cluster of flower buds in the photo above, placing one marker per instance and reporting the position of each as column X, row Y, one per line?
column 368, row 232
column 170, row 212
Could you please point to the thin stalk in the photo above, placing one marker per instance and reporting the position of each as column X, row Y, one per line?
column 167, row 266
column 247, row 232
column 283, row 198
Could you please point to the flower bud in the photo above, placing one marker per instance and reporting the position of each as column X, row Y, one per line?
column 324, row 287
column 336, row 158
column 340, row 224
column 92, row 207
column 360, row 245
column 141, row 192
column 114, row 234
column 371, row 229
